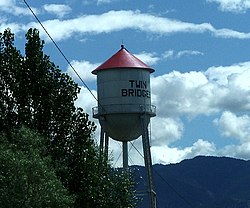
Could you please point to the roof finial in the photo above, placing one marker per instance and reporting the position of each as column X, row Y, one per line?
column 122, row 45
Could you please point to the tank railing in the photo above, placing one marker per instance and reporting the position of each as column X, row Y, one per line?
column 148, row 109
column 123, row 108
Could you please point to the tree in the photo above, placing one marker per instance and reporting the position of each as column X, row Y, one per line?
column 107, row 187
column 35, row 93
column 26, row 176
column 10, row 66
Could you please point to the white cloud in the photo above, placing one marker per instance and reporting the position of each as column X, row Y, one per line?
column 200, row 147
column 202, row 93
column 84, row 69
column 148, row 58
column 165, row 130
column 238, row 151
column 189, row 94
column 234, row 126
column 153, row 58
column 171, row 54
column 98, row 2
column 15, row 27
column 168, row 54
column 166, row 155
column 105, row 1
column 7, row 3
column 59, row 10
column 120, row 20
column 86, row 100
column 232, row 81
column 12, row 7
column 237, row 127
column 220, row 74
column 237, row 6
column 228, row 33
column 236, row 74
column 188, row 53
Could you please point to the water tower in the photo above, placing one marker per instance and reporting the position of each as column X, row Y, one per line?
column 124, row 106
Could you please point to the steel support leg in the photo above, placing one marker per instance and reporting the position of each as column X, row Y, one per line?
column 125, row 155
column 101, row 140
column 106, row 147
column 148, row 162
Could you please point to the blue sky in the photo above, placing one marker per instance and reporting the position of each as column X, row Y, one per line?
column 198, row 48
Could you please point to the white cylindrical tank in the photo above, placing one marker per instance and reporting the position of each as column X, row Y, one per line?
column 123, row 92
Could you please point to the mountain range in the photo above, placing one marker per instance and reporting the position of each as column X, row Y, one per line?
column 201, row 182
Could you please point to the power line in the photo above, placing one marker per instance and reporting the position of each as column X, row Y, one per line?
column 60, row 51
column 131, row 161
column 66, row 59
column 118, row 157
column 137, row 150
column 169, row 185
column 174, row 190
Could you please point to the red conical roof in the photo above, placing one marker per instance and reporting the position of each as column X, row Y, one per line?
column 122, row 59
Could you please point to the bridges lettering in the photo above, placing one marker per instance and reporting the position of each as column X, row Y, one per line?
column 137, row 88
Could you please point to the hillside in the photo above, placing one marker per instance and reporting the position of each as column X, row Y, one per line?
column 204, row 182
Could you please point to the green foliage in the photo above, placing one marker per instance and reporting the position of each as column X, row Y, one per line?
column 35, row 93
column 10, row 65
column 26, row 178
column 88, row 174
